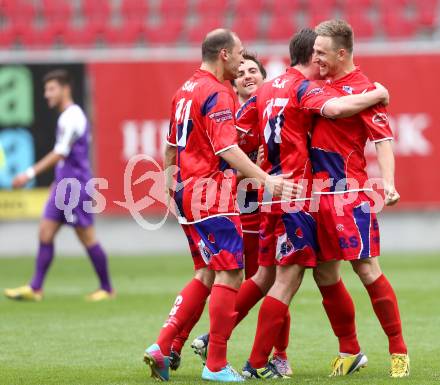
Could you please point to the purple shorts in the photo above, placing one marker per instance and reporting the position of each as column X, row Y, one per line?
column 76, row 216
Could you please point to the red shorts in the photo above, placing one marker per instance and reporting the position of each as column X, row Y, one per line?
column 353, row 234
column 250, row 224
column 216, row 243
column 288, row 239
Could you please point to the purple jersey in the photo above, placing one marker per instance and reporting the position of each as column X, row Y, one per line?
column 72, row 141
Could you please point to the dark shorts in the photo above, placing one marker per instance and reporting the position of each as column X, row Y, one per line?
column 216, row 243
column 76, row 217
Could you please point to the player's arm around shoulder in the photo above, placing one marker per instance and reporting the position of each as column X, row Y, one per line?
column 349, row 105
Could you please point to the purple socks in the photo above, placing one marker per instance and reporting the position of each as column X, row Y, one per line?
column 45, row 257
column 42, row 264
column 99, row 261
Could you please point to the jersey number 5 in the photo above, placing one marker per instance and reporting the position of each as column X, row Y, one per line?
column 183, row 123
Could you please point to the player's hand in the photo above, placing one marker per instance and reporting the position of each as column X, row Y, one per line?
column 260, row 155
column 280, row 186
column 384, row 93
column 391, row 196
column 20, row 180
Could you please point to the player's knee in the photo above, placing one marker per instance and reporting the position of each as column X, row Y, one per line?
column 46, row 235
column 265, row 277
column 368, row 271
column 205, row 276
column 325, row 277
column 86, row 237
column 289, row 278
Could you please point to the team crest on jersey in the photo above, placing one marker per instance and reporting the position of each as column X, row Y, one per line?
column 278, row 83
column 380, row 119
column 347, row 89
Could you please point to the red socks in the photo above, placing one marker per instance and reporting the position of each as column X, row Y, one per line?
column 282, row 341
column 247, row 297
column 181, row 338
column 271, row 317
column 385, row 306
column 339, row 307
column 187, row 303
column 222, row 317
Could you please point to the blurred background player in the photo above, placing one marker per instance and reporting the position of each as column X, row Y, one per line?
column 202, row 133
column 70, row 157
column 282, row 110
column 347, row 229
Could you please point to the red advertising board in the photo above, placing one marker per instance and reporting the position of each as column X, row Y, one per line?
column 131, row 106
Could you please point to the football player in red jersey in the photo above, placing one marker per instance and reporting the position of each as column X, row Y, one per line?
column 347, row 227
column 251, row 76
column 202, row 143
column 282, row 110
column 258, row 280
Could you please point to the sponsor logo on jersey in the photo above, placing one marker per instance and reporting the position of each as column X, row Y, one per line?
column 221, row 116
column 189, row 86
column 380, row 119
column 314, row 91
column 347, row 89
column 340, row 227
column 278, row 83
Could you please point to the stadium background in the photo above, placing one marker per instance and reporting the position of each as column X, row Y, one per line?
column 127, row 58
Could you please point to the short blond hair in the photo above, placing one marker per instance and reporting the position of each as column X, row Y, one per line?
column 339, row 31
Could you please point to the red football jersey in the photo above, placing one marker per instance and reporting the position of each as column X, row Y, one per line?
column 202, row 126
column 283, row 109
column 338, row 145
column 247, row 196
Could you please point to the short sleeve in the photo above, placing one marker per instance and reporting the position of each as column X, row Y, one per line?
column 171, row 135
column 71, row 125
column 377, row 123
column 313, row 97
column 217, row 111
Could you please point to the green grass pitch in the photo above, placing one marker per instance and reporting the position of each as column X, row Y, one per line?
column 64, row 340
